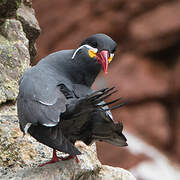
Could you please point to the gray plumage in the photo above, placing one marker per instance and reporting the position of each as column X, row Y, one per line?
column 55, row 96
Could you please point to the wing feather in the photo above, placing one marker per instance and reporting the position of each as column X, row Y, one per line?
column 39, row 101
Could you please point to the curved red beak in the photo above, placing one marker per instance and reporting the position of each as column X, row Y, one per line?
column 102, row 58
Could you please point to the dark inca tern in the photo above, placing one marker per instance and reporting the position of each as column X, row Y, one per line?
column 56, row 104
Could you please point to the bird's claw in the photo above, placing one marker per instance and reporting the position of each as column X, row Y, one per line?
column 70, row 157
column 50, row 162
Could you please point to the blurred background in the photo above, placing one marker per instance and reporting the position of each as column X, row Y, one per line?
column 145, row 70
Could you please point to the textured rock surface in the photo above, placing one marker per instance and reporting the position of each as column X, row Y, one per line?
column 146, row 68
column 9, row 7
column 30, row 26
column 17, row 151
column 17, row 37
column 14, row 58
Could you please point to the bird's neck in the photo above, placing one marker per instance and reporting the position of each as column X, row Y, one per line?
column 85, row 73
column 82, row 70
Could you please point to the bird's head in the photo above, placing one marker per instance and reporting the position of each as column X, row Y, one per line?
column 99, row 49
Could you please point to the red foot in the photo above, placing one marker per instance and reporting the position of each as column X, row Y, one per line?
column 54, row 159
column 70, row 157
column 77, row 160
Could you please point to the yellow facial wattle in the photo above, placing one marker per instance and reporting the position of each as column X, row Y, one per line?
column 91, row 53
column 110, row 59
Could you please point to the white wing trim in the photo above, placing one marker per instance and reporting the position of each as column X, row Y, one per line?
column 47, row 104
column 27, row 127
column 49, row 125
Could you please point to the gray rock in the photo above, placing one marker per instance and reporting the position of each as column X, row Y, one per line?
column 68, row 171
column 30, row 26
column 18, row 152
column 115, row 173
column 8, row 8
column 17, row 44
column 14, row 58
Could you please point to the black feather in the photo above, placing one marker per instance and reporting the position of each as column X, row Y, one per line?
column 56, row 100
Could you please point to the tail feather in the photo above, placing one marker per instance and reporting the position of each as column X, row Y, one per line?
column 53, row 137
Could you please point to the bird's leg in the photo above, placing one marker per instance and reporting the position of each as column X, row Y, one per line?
column 77, row 144
column 70, row 157
column 54, row 159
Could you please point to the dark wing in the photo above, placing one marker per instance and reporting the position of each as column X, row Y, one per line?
column 40, row 103
column 40, row 100
column 88, row 101
column 83, row 91
column 94, row 100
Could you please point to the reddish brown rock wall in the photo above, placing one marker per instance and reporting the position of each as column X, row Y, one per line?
column 146, row 68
